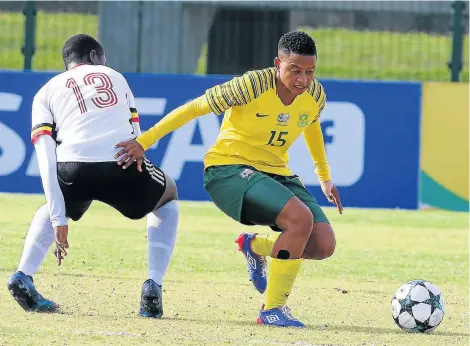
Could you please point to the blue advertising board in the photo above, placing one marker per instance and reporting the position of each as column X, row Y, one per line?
column 371, row 132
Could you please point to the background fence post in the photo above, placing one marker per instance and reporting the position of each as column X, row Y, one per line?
column 455, row 64
column 29, row 11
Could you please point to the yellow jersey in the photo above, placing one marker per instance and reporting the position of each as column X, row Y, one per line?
column 258, row 129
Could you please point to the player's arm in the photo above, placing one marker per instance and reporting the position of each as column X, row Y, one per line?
column 315, row 144
column 216, row 99
column 314, row 139
column 174, row 120
column 45, row 146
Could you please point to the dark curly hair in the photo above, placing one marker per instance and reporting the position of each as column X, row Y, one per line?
column 297, row 42
column 78, row 48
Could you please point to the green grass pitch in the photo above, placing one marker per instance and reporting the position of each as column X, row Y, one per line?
column 208, row 300
column 342, row 54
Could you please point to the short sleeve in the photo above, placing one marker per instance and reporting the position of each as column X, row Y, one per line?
column 132, row 107
column 42, row 119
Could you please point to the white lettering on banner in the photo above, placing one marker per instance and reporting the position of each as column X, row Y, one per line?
column 12, row 148
column 151, row 106
column 344, row 136
column 10, row 102
column 145, row 106
column 180, row 150
column 33, row 166
column 343, row 125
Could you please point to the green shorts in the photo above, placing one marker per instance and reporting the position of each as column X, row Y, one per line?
column 252, row 197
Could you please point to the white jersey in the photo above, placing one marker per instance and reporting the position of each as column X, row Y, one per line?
column 87, row 110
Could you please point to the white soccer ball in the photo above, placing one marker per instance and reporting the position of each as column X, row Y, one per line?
column 418, row 306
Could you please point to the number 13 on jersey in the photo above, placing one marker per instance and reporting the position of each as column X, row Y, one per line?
column 106, row 97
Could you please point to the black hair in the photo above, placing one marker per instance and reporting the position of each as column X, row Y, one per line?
column 297, row 42
column 77, row 49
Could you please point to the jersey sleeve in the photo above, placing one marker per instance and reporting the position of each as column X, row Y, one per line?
column 236, row 92
column 134, row 120
column 131, row 103
column 314, row 137
column 42, row 119
column 319, row 95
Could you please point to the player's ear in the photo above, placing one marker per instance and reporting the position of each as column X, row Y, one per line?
column 277, row 63
column 94, row 57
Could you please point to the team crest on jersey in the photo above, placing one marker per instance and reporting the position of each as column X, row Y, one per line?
column 283, row 119
column 303, row 120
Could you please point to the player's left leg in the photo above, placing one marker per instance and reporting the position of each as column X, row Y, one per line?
column 162, row 224
column 321, row 243
column 152, row 194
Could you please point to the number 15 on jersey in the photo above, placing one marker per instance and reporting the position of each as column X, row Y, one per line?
column 277, row 139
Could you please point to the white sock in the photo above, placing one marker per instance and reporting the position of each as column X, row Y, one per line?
column 162, row 225
column 38, row 240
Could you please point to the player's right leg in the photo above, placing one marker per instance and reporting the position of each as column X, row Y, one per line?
column 38, row 241
column 253, row 198
column 269, row 202
column 41, row 236
column 226, row 186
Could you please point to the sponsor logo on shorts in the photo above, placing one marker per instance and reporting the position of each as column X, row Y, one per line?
column 247, row 173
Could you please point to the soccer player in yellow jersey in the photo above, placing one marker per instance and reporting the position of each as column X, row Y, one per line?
column 246, row 173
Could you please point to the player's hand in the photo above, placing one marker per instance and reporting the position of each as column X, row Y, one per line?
column 331, row 193
column 61, row 242
column 131, row 151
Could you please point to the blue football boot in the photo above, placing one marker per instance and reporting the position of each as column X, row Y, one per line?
column 151, row 304
column 256, row 264
column 22, row 288
column 279, row 317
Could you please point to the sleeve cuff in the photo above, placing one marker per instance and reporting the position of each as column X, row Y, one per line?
column 60, row 221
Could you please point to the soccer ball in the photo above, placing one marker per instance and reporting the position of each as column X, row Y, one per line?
column 418, row 306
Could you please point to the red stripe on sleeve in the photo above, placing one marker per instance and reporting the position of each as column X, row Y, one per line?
column 39, row 134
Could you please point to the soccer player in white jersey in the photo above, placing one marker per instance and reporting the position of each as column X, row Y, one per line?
column 77, row 119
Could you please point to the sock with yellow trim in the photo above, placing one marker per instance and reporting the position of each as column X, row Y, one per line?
column 281, row 278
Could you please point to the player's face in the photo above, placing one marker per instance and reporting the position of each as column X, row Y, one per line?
column 296, row 71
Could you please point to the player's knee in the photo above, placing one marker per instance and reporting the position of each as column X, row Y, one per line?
column 301, row 220
column 327, row 245
column 327, row 250
column 322, row 242
column 171, row 189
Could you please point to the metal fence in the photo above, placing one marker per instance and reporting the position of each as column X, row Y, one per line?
column 385, row 40
column 50, row 26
